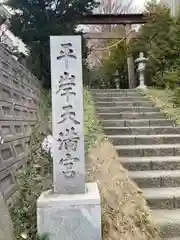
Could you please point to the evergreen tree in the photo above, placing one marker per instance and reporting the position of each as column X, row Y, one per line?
column 35, row 20
column 157, row 40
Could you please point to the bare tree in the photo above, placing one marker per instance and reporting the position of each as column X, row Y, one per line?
column 111, row 7
column 106, row 7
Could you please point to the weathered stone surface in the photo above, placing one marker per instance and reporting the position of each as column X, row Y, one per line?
column 149, row 147
column 148, row 140
column 157, row 179
column 137, row 123
column 151, row 163
column 158, row 150
column 127, row 104
column 19, row 102
column 144, row 139
column 122, row 140
column 105, row 90
column 161, row 122
column 117, row 131
column 113, row 123
column 70, row 217
column 71, row 210
column 6, row 226
column 156, row 130
column 132, row 165
column 177, row 202
column 115, row 94
column 117, row 99
column 165, row 198
column 177, row 150
column 67, row 115
column 129, row 151
column 168, row 221
column 166, row 163
column 117, row 109
column 149, row 150
column 142, row 130
column 171, row 180
column 130, row 115
column 160, row 203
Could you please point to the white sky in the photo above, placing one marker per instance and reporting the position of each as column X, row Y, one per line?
column 140, row 3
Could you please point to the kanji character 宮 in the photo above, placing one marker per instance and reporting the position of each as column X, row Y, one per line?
column 68, row 162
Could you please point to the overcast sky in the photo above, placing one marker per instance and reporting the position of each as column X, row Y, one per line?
column 140, row 3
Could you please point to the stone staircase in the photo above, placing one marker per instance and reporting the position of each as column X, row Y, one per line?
column 149, row 147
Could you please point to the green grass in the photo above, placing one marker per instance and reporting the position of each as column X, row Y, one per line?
column 92, row 127
column 163, row 99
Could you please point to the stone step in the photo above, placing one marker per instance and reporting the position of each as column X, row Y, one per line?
column 156, row 178
column 173, row 238
column 116, row 94
column 149, row 150
column 113, row 90
column 162, row 198
column 141, row 130
column 151, row 163
column 120, row 99
column 126, row 109
column 131, row 115
column 168, row 221
column 105, row 92
column 144, row 139
column 138, row 122
column 127, row 104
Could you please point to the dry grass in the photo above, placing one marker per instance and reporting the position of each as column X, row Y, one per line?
column 163, row 98
column 125, row 214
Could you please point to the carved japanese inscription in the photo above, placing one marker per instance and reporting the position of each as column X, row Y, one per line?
column 67, row 115
column 66, row 84
column 66, row 53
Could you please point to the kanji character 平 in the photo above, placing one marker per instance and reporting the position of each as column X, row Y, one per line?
column 67, row 53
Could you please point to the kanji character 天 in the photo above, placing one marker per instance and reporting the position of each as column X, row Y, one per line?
column 68, row 114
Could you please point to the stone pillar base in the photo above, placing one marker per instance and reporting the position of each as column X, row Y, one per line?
column 142, row 87
column 70, row 217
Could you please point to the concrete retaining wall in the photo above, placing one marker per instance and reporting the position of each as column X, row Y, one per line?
column 19, row 101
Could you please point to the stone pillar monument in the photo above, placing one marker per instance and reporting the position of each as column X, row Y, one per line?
column 141, row 61
column 71, row 210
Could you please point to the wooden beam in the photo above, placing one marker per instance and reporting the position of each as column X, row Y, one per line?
column 108, row 35
column 112, row 19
